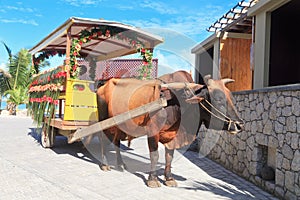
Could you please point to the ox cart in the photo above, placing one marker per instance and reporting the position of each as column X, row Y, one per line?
column 61, row 102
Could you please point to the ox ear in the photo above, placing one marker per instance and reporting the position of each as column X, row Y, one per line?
column 201, row 93
column 227, row 80
column 197, row 87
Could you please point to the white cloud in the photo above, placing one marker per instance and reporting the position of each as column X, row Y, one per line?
column 80, row 3
column 186, row 20
column 20, row 9
column 191, row 25
column 160, row 7
column 3, row 66
column 168, row 62
column 125, row 7
column 20, row 21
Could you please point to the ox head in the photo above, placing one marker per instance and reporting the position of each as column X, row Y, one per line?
column 217, row 109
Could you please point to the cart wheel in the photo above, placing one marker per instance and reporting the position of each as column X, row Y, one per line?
column 47, row 137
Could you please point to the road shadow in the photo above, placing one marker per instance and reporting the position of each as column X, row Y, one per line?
column 61, row 146
column 138, row 165
column 230, row 185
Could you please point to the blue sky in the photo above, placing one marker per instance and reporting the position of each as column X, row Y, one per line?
column 24, row 24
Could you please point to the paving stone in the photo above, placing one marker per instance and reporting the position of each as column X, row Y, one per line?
column 70, row 171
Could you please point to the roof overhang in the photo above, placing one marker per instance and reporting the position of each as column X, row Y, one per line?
column 103, row 48
column 266, row 5
column 236, row 19
column 207, row 43
column 210, row 41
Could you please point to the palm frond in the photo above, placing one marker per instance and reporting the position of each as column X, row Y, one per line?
column 20, row 68
column 4, row 81
column 18, row 95
column 8, row 50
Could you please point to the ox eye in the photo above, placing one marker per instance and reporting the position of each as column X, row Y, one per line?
column 218, row 96
column 187, row 93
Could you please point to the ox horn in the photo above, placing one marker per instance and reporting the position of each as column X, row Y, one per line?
column 227, row 80
column 178, row 85
column 206, row 78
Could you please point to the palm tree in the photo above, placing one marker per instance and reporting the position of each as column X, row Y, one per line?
column 5, row 76
column 21, row 70
column 4, row 83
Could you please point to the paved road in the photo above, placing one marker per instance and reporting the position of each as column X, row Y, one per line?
column 69, row 171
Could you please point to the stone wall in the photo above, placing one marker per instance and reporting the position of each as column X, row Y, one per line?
column 268, row 152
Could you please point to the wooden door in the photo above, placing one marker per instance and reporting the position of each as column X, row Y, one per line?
column 235, row 62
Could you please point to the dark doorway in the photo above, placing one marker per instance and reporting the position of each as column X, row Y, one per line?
column 205, row 64
column 284, row 65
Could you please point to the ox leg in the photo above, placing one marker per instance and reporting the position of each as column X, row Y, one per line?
column 104, row 142
column 120, row 164
column 154, row 155
column 169, row 180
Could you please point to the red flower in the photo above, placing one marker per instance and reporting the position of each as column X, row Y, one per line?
column 49, row 99
column 107, row 34
column 133, row 42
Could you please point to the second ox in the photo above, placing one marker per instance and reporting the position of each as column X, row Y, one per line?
column 176, row 125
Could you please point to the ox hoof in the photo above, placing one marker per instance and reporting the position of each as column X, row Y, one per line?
column 153, row 183
column 122, row 167
column 105, row 168
column 171, row 182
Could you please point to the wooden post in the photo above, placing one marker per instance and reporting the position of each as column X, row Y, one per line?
column 68, row 49
column 32, row 61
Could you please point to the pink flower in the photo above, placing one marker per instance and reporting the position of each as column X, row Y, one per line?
column 78, row 47
column 107, row 34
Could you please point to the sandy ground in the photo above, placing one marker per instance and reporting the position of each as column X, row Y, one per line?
column 20, row 113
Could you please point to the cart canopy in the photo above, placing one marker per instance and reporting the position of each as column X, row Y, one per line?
column 102, row 48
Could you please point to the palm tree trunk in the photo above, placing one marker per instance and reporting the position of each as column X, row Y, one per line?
column 12, row 108
column 0, row 103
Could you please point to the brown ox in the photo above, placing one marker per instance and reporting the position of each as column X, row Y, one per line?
column 174, row 126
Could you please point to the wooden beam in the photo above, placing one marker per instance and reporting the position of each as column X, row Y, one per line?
column 118, row 119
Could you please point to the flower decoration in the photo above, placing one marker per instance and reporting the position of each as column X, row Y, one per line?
column 101, row 32
column 44, row 92
column 146, row 68
column 105, row 32
column 46, row 55
column 46, row 87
